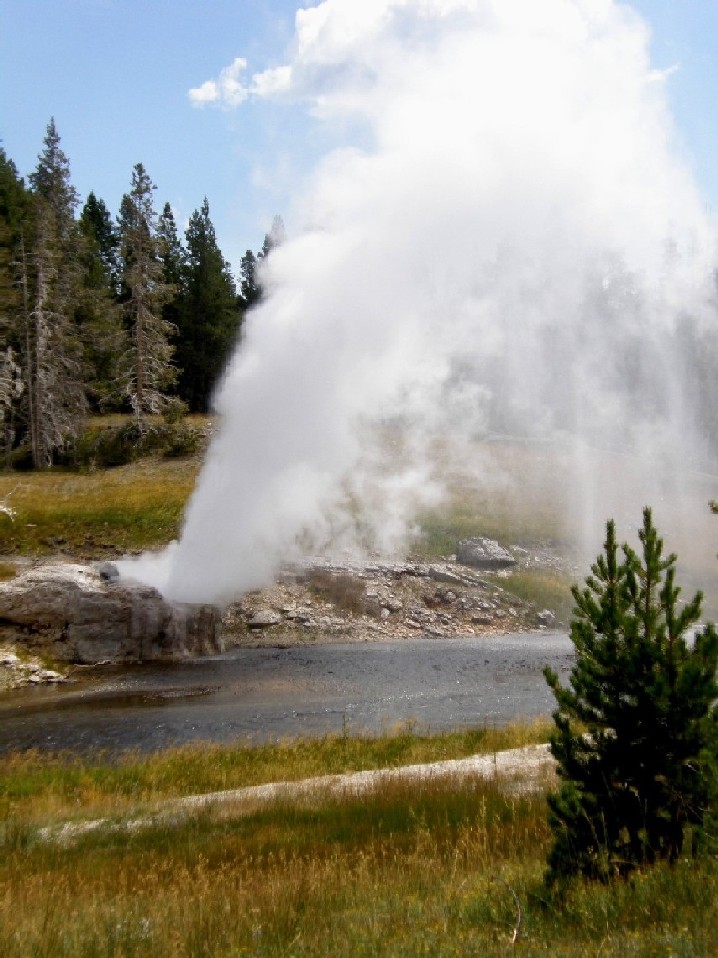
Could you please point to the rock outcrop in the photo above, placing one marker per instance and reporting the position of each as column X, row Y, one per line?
column 85, row 614
column 16, row 671
column 483, row 554
column 343, row 601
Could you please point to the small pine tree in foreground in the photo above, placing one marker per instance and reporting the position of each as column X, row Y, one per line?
column 635, row 729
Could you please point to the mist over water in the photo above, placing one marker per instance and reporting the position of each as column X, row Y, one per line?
column 505, row 241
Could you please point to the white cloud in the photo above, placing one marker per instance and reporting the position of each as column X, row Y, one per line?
column 226, row 91
column 207, row 93
column 328, row 35
column 272, row 82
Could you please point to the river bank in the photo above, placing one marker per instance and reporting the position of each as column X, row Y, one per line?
column 327, row 601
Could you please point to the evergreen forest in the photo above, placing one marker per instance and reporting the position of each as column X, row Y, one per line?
column 107, row 314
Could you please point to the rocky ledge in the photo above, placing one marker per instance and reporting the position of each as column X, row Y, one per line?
column 18, row 670
column 65, row 612
column 326, row 601
column 83, row 614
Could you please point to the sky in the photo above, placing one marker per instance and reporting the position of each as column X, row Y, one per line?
column 164, row 82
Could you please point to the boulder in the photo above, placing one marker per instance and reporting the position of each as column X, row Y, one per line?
column 546, row 618
column 264, row 619
column 85, row 614
column 483, row 554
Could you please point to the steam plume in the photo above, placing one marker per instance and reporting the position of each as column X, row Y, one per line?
column 505, row 241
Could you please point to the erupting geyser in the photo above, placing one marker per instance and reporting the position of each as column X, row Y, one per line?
column 504, row 239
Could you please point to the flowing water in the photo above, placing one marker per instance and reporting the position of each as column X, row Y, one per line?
column 257, row 695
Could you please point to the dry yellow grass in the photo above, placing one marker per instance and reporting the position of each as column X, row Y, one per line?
column 441, row 869
column 131, row 507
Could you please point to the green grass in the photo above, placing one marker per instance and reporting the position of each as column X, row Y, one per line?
column 412, row 868
column 35, row 787
column 496, row 515
column 373, row 876
column 504, row 491
column 140, row 505
column 469, row 513
column 545, row 588
column 132, row 507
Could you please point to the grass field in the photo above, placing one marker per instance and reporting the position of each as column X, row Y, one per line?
column 136, row 506
column 447, row 867
column 36, row 787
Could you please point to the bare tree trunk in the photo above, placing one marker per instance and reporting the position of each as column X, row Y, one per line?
column 56, row 398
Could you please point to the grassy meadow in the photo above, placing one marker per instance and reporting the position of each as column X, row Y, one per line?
column 38, row 788
column 93, row 511
column 132, row 507
column 443, row 867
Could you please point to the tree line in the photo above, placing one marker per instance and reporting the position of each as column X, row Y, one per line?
column 107, row 315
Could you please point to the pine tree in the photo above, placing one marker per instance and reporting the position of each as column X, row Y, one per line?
column 251, row 266
column 249, row 285
column 173, row 258
column 51, row 182
column 96, row 226
column 275, row 237
column 635, row 732
column 98, row 314
column 14, row 207
column 209, row 313
column 149, row 370
column 53, row 360
column 171, row 252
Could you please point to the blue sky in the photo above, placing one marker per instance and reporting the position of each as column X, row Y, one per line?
column 116, row 75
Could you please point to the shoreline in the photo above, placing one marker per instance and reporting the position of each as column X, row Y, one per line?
column 322, row 602
column 20, row 669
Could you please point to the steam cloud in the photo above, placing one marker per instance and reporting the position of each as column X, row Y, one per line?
column 507, row 241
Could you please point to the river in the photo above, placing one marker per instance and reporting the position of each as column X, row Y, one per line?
column 266, row 694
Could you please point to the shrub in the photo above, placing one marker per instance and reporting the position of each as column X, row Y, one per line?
column 345, row 591
column 635, row 732
column 113, row 446
column 104, row 448
column 174, row 410
column 182, row 440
